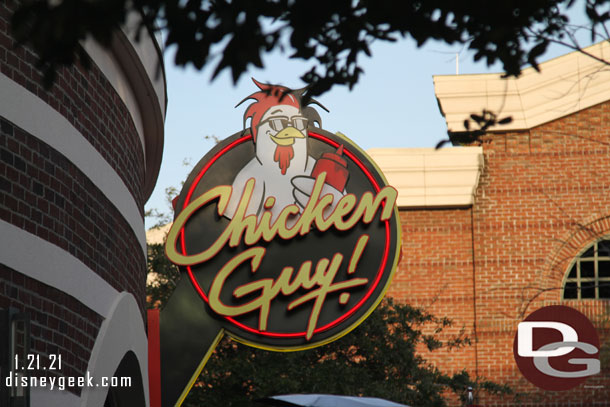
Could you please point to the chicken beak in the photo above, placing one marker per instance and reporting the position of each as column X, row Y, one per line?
column 286, row 137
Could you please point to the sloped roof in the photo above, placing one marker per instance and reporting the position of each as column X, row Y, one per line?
column 565, row 85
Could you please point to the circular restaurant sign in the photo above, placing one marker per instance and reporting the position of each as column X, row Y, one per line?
column 288, row 233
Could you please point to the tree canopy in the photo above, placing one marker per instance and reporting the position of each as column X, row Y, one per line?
column 332, row 34
column 377, row 359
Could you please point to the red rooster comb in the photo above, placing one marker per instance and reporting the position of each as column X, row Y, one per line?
column 273, row 95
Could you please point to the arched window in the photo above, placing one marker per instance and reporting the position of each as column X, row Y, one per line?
column 589, row 274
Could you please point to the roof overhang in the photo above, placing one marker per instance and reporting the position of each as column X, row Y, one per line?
column 564, row 85
column 430, row 178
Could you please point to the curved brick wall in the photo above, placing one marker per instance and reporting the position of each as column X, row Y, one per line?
column 88, row 101
column 48, row 196
column 74, row 176
column 60, row 325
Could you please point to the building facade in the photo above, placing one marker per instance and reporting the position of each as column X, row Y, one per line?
column 78, row 162
column 495, row 231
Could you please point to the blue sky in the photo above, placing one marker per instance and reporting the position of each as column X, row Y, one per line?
column 393, row 104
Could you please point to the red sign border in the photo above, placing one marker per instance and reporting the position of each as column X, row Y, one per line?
column 331, row 324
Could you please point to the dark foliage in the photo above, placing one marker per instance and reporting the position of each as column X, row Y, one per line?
column 483, row 122
column 164, row 276
column 377, row 359
column 332, row 34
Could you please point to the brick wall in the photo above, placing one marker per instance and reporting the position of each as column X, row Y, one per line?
column 43, row 193
column 436, row 273
column 544, row 194
column 87, row 100
column 60, row 325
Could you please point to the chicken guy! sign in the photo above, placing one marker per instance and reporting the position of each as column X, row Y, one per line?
column 288, row 234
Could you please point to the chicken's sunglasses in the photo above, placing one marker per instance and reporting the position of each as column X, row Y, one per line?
column 280, row 123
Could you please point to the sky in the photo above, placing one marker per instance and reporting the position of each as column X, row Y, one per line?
column 392, row 105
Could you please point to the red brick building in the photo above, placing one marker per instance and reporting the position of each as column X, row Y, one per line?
column 78, row 161
column 494, row 232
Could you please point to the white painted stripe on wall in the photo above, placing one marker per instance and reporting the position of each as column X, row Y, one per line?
column 111, row 70
column 148, row 54
column 43, row 397
column 50, row 264
column 34, row 116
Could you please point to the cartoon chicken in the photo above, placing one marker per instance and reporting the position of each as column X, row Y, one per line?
column 282, row 167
